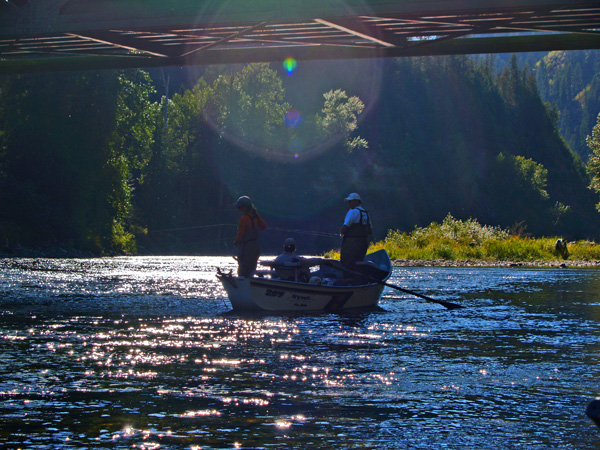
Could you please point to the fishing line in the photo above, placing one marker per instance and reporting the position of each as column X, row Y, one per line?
column 195, row 228
column 313, row 233
column 285, row 230
column 207, row 240
column 223, row 240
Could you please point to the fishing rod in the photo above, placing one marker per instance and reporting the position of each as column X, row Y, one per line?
column 285, row 230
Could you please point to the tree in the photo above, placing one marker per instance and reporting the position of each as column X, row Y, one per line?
column 67, row 162
column 593, row 165
column 520, row 185
column 339, row 118
column 55, row 155
column 248, row 108
column 129, row 153
column 187, row 152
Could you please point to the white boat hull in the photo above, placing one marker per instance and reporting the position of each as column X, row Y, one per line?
column 266, row 294
column 271, row 295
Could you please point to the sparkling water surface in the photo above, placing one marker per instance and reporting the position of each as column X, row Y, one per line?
column 144, row 352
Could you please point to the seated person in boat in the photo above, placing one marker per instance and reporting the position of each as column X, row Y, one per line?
column 291, row 267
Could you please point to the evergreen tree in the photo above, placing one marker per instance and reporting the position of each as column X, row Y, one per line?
column 593, row 165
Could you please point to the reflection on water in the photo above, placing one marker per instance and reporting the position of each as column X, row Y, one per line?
column 144, row 353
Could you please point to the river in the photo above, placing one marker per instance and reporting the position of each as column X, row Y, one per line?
column 144, row 352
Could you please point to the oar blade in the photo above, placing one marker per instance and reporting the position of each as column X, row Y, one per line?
column 450, row 305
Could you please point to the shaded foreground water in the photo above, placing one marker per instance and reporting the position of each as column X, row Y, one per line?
column 144, row 353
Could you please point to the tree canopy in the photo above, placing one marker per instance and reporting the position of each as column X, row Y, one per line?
column 102, row 161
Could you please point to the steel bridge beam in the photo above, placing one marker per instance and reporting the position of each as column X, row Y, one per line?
column 50, row 35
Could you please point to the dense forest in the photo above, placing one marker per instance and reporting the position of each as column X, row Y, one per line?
column 113, row 162
column 570, row 83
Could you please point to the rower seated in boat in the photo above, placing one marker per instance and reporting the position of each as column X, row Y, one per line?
column 291, row 267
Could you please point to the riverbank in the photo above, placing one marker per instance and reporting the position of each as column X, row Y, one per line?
column 61, row 253
column 457, row 243
column 476, row 263
column 70, row 253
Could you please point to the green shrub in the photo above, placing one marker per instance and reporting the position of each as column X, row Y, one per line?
column 122, row 241
column 584, row 250
column 455, row 239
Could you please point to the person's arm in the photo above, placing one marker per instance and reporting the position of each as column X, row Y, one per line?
column 262, row 225
column 348, row 220
column 310, row 262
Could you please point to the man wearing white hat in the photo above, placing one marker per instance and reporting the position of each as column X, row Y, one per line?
column 355, row 233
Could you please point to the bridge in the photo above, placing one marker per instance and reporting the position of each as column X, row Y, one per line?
column 51, row 35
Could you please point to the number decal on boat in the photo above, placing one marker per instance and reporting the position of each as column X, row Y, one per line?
column 274, row 293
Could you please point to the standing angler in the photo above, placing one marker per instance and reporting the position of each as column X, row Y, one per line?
column 355, row 233
column 249, row 226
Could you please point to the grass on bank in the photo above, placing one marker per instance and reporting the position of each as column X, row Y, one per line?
column 459, row 240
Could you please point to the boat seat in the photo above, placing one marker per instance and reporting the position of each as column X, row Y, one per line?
column 371, row 269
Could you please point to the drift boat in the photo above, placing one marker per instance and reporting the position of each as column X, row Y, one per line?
column 330, row 288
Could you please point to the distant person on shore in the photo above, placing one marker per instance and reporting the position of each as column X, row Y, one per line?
column 246, row 241
column 560, row 248
column 292, row 267
column 355, row 233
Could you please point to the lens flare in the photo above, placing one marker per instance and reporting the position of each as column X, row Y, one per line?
column 304, row 85
column 292, row 118
column 290, row 64
column 296, row 147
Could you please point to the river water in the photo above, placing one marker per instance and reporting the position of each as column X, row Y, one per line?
column 144, row 352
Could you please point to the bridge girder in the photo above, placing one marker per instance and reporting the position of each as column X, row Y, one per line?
column 49, row 35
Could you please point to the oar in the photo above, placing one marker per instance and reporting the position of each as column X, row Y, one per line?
column 448, row 305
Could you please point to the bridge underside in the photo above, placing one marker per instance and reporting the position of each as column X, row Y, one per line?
column 50, row 35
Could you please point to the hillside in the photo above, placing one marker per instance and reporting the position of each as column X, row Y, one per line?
column 570, row 83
